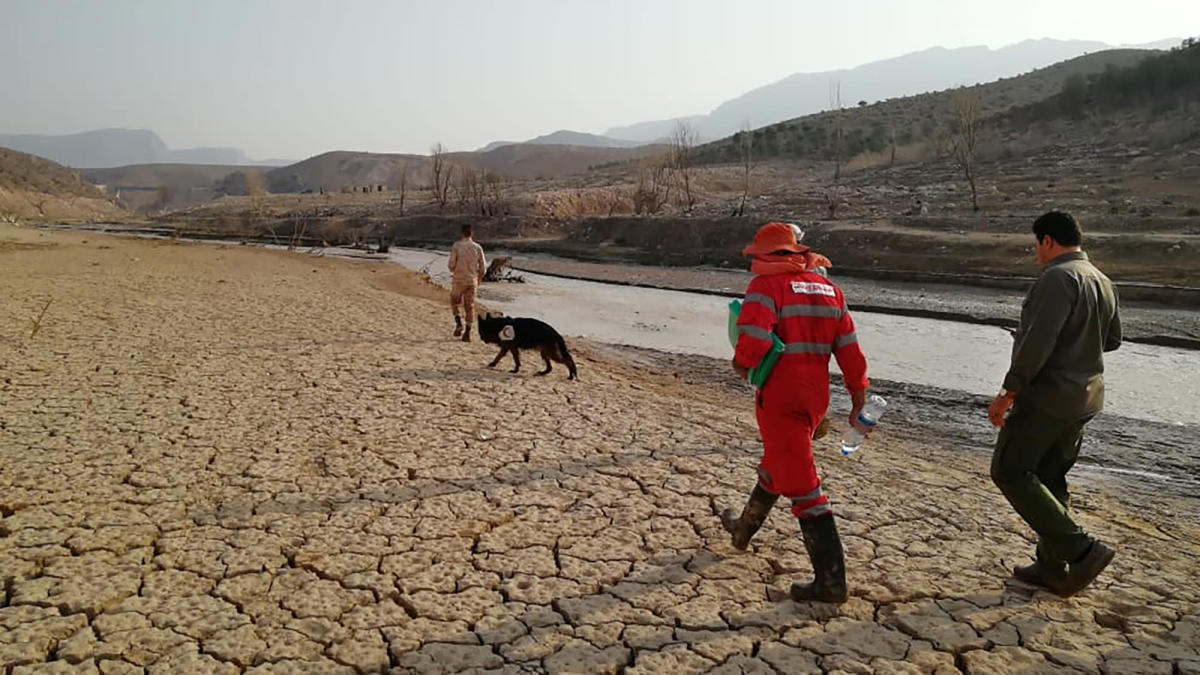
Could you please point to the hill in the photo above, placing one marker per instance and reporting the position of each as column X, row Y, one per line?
column 333, row 171
column 337, row 170
column 928, row 70
column 528, row 160
column 116, row 147
column 908, row 120
column 33, row 188
column 156, row 186
column 566, row 137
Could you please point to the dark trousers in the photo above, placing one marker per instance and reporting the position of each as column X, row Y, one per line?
column 1033, row 454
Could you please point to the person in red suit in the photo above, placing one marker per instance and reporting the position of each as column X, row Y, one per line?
column 791, row 297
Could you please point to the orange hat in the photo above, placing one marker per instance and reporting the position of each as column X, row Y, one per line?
column 774, row 237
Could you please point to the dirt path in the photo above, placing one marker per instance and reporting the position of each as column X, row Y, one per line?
column 227, row 460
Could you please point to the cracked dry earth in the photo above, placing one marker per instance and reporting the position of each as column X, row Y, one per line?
column 222, row 460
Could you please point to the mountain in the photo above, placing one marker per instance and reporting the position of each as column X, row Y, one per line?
column 566, row 137
column 912, row 119
column 533, row 160
column 104, row 148
column 333, row 171
column 932, row 69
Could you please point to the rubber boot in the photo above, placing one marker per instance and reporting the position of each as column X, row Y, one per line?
column 458, row 325
column 829, row 563
column 757, row 508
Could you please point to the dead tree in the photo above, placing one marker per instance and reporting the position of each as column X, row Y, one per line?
column 839, row 127
column 652, row 187
column 399, row 184
column 442, row 176
column 683, row 141
column 964, row 135
column 745, row 147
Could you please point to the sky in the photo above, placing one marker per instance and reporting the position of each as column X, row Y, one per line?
column 290, row 79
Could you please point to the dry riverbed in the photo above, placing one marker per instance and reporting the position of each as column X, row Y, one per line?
column 218, row 459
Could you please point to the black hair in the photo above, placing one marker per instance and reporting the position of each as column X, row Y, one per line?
column 1059, row 226
column 467, row 230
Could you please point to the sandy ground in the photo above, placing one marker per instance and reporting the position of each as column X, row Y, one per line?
column 224, row 460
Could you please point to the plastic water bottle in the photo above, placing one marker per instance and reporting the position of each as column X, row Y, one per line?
column 869, row 417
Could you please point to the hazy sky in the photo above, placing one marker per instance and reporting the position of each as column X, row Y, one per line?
column 293, row 78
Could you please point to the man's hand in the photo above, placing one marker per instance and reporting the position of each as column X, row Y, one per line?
column 742, row 371
column 858, row 399
column 1000, row 407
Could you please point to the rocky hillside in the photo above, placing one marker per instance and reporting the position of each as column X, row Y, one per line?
column 908, row 121
column 33, row 188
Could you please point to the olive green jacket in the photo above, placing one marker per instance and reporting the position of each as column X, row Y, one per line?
column 1068, row 320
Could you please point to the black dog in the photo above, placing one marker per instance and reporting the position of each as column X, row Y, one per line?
column 513, row 335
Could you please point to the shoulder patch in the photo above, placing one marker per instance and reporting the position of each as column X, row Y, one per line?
column 813, row 288
column 508, row 333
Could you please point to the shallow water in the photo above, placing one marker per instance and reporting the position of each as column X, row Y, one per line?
column 1147, row 382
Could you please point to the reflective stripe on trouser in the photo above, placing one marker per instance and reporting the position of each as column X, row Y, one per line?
column 787, row 466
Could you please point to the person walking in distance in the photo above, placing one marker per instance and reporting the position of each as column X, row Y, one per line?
column 807, row 311
column 1053, row 388
column 467, row 264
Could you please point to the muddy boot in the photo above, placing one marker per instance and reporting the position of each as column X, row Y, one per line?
column 1040, row 573
column 829, row 564
column 458, row 326
column 1081, row 573
column 466, row 334
column 757, row 508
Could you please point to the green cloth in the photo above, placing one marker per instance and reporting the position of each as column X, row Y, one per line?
column 1034, row 452
column 759, row 373
column 1068, row 320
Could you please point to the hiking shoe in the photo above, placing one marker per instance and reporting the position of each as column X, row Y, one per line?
column 1081, row 573
column 1040, row 574
column 458, row 326
column 466, row 336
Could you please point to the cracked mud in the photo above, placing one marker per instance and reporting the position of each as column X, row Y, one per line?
column 218, row 460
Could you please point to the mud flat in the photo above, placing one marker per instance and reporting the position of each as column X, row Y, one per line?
column 221, row 459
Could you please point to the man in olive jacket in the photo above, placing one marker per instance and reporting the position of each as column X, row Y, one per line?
column 1053, row 388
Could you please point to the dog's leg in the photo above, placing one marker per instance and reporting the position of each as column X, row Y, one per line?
column 503, row 351
column 516, row 360
column 546, row 360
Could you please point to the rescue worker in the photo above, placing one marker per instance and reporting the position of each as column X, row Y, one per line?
column 467, row 264
column 808, row 313
column 1053, row 388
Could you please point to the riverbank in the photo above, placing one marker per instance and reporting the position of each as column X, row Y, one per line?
column 218, row 459
column 1143, row 322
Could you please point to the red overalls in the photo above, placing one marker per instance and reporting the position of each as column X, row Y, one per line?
column 808, row 313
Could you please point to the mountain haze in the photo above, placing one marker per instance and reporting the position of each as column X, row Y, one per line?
column 106, row 148
column 932, row 69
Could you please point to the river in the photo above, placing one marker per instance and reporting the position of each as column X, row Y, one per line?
column 1159, row 384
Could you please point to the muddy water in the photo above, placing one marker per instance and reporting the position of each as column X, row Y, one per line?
column 1145, row 382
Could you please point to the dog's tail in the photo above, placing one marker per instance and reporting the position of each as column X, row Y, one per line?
column 566, row 357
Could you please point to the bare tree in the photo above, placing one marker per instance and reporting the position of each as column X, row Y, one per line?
column 745, row 147
column 683, row 141
column 493, row 186
column 965, row 105
column 442, row 176
column 652, row 185
column 399, row 183
column 839, row 128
